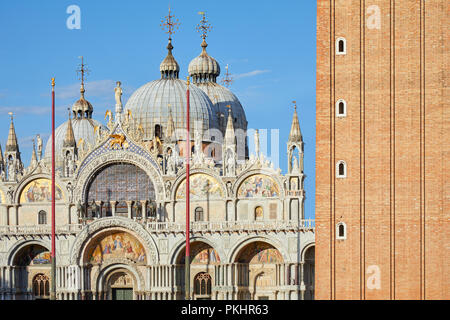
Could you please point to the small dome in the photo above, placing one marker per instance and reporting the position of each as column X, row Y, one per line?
column 82, row 129
column 82, row 108
column 204, row 67
column 169, row 67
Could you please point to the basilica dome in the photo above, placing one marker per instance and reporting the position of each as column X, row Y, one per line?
column 204, row 71
column 156, row 104
column 82, row 125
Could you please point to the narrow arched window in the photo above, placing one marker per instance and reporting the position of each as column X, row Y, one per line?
column 199, row 214
column 341, row 108
column 42, row 217
column 158, row 131
column 341, row 169
column 341, row 231
column 341, row 46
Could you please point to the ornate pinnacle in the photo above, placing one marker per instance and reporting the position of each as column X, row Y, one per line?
column 170, row 24
column 227, row 80
column 203, row 27
column 83, row 71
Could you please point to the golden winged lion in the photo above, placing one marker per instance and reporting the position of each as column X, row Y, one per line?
column 118, row 140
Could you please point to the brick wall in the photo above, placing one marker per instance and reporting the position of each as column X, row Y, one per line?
column 394, row 140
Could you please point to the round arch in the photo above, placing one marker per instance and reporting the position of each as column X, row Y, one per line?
column 96, row 228
column 250, row 173
column 88, row 171
column 102, row 276
column 305, row 249
column 24, row 183
column 236, row 249
column 179, row 247
column 181, row 177
column 13, row 251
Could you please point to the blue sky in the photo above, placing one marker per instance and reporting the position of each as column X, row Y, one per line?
column 269, row 45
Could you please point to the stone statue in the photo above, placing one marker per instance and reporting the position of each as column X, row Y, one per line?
column 168, row 185
column 39, row 146
column 118, row 95
column 10, row 193
column 70, row 188
column 295, row 166
column 257, row 151
column 230, row 189
column 171, row 164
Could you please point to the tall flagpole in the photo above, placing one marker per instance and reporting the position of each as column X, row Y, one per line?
column 53, row 256
column 187, row 260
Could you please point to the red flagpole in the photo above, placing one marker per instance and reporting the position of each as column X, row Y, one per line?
column 187, row 260
column 53, row 255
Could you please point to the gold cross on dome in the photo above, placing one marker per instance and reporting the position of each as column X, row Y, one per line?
column 227, row 80
column 170, row 23
column 203, row 27
column 83, row 71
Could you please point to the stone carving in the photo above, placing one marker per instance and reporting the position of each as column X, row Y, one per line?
column 39, row 147
column 118, row 95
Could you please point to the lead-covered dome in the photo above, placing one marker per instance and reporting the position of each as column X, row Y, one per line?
column 204, row 71
column 162, row 101
column 204, row 67
column 82, row 128
column 221, row 98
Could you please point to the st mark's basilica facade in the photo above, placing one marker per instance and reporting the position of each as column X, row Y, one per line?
column 120, row 201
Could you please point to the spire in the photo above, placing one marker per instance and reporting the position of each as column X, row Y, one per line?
column 82, row 108
column 295, row 135
column 33, row 161
column 11, row 143
column 229, row 132
column 170, row 125
column 1, row 158
column 227, row 80
column 169, row 67
column 69, row 140
column 203, row 27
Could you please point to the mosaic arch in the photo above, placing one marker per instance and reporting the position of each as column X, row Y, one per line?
column 259, row 253
column 258, row 186
column 33, row 254
column 116, row 245
column 202, row 187
column 40, row 190
column 201, row 254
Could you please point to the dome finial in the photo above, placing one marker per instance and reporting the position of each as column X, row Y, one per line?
column 227, row 80
column 169, row 67
column 82, row 108
column 203, row 27
column 83, row 72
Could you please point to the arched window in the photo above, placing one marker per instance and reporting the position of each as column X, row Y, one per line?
column 341, row 231
column 42, row 217
column 41, row 286
column 158, row 132
column 341, row 46
column 341, row 108
column 202, row 284
column 259, row 213
column 121, row 184
column 199, row 214
column 341, row 169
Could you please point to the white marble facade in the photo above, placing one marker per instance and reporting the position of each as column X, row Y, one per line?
column 120, row 211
